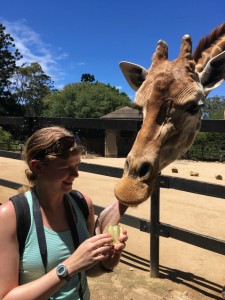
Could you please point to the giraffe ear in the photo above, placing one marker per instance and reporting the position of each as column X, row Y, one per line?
column 134, row 74
column 213, row 74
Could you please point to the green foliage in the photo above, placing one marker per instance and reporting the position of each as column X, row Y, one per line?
column 84, row 100
column 214, row 108
column 207, row 146
column 5, row 136
column 7, row 142
column 8, row 58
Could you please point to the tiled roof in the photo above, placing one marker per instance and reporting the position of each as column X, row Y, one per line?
column 123, row 113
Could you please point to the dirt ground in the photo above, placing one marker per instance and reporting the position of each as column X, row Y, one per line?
column 186, row 272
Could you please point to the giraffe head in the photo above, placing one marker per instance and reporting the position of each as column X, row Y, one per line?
column 170, row 95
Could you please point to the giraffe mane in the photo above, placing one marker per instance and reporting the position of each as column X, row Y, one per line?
column 207, row 41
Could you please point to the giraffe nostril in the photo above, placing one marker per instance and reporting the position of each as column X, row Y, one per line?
column 144, row 170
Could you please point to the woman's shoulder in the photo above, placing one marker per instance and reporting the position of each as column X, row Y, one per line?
column 7, row 210
column 8, row 217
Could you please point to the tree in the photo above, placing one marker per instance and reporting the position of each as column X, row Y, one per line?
column 85, row 100
column 207, row 145
column 5, row 136
column 5, row 139
column 8, row 58
column 214, row 108
column 87, row 77
column 31, row 86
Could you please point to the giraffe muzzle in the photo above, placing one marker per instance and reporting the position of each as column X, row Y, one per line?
column 132, row 192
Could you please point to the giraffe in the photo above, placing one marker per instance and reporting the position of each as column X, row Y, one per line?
column 170, row 95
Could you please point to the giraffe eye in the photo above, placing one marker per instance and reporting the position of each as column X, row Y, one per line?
column 192, row 108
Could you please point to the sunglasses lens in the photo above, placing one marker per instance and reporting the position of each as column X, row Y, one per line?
column 66, row 142
column 61, row 147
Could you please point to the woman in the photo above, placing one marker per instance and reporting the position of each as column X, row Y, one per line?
column 53, row 156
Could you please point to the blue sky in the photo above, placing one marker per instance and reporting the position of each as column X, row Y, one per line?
column 72, row 37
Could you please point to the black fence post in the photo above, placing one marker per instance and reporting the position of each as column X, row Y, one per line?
column 154, row 239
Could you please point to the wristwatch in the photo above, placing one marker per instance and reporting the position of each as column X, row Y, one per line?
column 62, row 272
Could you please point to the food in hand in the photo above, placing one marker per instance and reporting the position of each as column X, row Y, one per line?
column 115, row 231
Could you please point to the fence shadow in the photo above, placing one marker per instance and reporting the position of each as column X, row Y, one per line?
column 190, row 280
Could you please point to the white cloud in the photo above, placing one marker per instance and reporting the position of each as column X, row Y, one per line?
column 60, row 86
column 34, row 49
column 80, row 64
column 119, row 87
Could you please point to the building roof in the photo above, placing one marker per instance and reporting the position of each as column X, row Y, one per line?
column 124, row 113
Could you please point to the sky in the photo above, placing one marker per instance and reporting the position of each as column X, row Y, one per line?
column 72, row 37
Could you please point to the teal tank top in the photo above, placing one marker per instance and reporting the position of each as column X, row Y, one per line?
column 59, row 247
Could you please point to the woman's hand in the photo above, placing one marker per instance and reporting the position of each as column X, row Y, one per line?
column 114, row 257
column 90, row 252
column 122, row 239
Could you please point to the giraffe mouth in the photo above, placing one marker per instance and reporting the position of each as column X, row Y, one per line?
column 132, row 192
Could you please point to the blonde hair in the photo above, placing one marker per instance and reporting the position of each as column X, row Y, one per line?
column 39, row 142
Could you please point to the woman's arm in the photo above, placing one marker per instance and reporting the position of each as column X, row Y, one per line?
column 9, row 261
column 87, row 254
column 9, row 253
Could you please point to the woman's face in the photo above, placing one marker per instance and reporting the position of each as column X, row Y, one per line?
column 59, row 175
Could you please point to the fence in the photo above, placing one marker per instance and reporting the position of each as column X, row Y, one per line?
column 154, row 227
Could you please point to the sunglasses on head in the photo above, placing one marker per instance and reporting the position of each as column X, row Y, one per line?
column 61, row 147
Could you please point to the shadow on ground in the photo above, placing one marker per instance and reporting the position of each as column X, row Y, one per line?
column 207, row 289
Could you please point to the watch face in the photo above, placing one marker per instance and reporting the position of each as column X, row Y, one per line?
column 61, row 270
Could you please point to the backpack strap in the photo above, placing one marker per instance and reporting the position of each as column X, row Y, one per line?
column 40, row 230
column 81, row 203
column 23, row 222
column 22, row 219
column 71, row 216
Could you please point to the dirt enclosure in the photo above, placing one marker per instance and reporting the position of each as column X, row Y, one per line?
column 186, row 272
